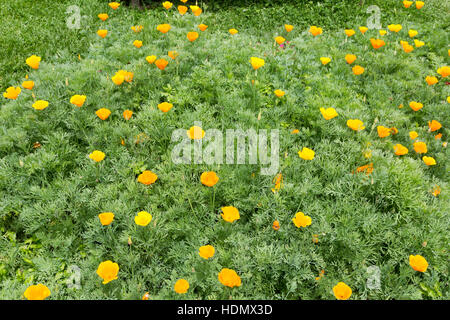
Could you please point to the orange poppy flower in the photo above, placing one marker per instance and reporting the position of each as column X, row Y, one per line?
column 209, row 178
column 416, row 106
column 355, row 124
column 288, row 27
column 315, row 31
column 192, row 36
column 37, row 292
column 350, row 58
column 420, row 147
column 342, row 291
column 195, row 132
column 127, row 114
column 400, row 150
column 377, row 43
column 161, row 63
column 383, row 132
column 108, row 271
column 164, row 28
column 165, row 106
column 202, row 27
column 182, row 9
column 102, row 33
column 147, row 177
column 103, row 16
column 229, row 278
column 114, row 5
column 103, row 113
column 357, row 70
column 418, row 263
column 434, row 125
column 33, row 61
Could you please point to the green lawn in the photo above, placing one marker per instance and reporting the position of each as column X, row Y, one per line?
column 51, row 195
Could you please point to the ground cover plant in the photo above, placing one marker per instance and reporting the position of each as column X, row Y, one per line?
column 94, row 207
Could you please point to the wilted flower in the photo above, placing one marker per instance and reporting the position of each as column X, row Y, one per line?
column 143, row 218
column 301, row 220
column 97, row 156
column 147, row 177
column 37, row 292
column 256, row 62
column 420, row 147
column 127, row 114
column 195, row 132
column 40, row 104
column 108, row 271
column 103, row 113
column 278, row 181
column 102, row 33
column 103, row 16
column 192, row 36
column 315, row 31
column 306, row 154
column 358, row 70
column 429, row 161
column 165, row 106
column 328, row 113
column 146, row 296
column 342, row 291
column 355, row 124
column 230, row 214
column 12, row 93
column 161, row 63
column 416, row 106
column 383, row 131
column 418, row 263
column 181, row 286
column 229, row 278
column 78, row 100
column 206, row 252
column 350, row 58
column 209, row 178
column 106, row 218
column 400, row 150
